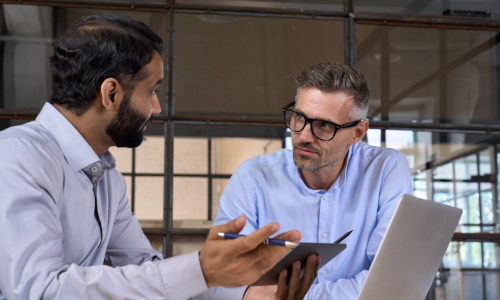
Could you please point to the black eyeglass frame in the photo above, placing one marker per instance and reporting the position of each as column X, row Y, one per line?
column 309, row 120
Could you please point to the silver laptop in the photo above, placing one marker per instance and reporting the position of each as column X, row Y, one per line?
column 411, row 251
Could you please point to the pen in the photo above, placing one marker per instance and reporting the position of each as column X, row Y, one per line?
column 275, row 242
column 343, row 237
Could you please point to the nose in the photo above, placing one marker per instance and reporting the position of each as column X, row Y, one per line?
column 156, row 105
column 306, row 135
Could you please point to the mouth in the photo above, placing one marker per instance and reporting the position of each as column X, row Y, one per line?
column 149, row 121
column 305, row 151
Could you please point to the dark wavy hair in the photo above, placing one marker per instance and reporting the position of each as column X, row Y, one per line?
column 95, row 48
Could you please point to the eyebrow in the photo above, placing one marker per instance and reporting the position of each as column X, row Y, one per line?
column 159, row 81
column 325, row 120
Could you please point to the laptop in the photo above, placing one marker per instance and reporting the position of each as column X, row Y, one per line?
column 411, row 250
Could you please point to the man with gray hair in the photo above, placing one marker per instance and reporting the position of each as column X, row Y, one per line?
column 329, row 184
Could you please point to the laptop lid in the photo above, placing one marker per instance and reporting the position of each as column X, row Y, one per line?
column 411, row 250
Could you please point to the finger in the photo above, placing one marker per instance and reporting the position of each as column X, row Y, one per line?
column 233, row 226
column 308, row 277
column 294, row 284
column 253, row 240
column 291, row 236
column 282, row 287
column 316, row 266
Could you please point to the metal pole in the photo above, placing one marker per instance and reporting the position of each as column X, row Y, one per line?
column 350, row 46
column 168, row 202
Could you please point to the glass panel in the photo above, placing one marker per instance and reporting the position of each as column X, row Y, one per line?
column 450, row 259
column 459, row 8
column 123, row 158
column 466, row 167
column 491, row 280
column 472, row 285
column 149, row 156
column 466, row 189
column 443, row 193
column 472, row 204
column 487, row 208
column 330, row 5
column 373, row 136
column 229, row 153
column 444, row 172
column 190, row 155
column 452, row 78
column 240, row 64
column 218, row 186
column 470, row 254
column 466, row 285
column 149, row 201
column 28, row 33
column 462, row 203
column 183, row 245
column 156, row 242
column 190, row 202
column 485, row 164
column 490, row 258
column 469, row 229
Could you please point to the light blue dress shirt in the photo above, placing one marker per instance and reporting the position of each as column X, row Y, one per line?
column 55, row 243
column 269, row 188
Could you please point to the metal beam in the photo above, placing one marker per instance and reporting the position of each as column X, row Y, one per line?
column 134, row 5
column 252, row 120
column 476, row 237
column 428, row 21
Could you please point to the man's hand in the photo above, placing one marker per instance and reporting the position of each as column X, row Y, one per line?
column 295, row 290
column 233, row 263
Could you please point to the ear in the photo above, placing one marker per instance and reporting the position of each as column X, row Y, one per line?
column 112, row 94
column 359, row 132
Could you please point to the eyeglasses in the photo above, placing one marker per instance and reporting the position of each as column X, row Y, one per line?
column 321, row 129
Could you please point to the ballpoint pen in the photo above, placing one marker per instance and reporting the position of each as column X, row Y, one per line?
column 275, row 242
column 343, row 237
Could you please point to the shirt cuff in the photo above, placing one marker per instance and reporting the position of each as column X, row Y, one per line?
column 182, row 276
column 230, row 294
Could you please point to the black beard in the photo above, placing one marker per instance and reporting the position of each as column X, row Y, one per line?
column 126, row 128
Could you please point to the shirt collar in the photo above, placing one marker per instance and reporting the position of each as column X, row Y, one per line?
column 74, row 147
column 341, row 179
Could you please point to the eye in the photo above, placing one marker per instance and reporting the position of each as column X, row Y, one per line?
column 325, row 126
column 154, row 92
column 299, row 117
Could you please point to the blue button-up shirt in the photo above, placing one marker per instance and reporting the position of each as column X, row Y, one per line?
column 269, row 188
column 55, row 243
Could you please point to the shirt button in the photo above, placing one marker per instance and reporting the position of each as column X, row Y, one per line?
column 93, row 169
column 325, row 197
column 323, row 272
column 324, row 235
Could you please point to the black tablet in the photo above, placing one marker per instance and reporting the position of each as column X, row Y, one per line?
column 301, row 253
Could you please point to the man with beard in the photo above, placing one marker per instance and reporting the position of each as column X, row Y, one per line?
column 66, row 229
column 330, row 184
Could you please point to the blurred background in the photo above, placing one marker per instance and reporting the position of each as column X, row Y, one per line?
column 432, row 67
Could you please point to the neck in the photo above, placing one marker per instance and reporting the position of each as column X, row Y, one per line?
column 323, row 178
column 88, row 125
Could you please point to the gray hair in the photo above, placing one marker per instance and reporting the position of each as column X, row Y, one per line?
column 335, row 77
